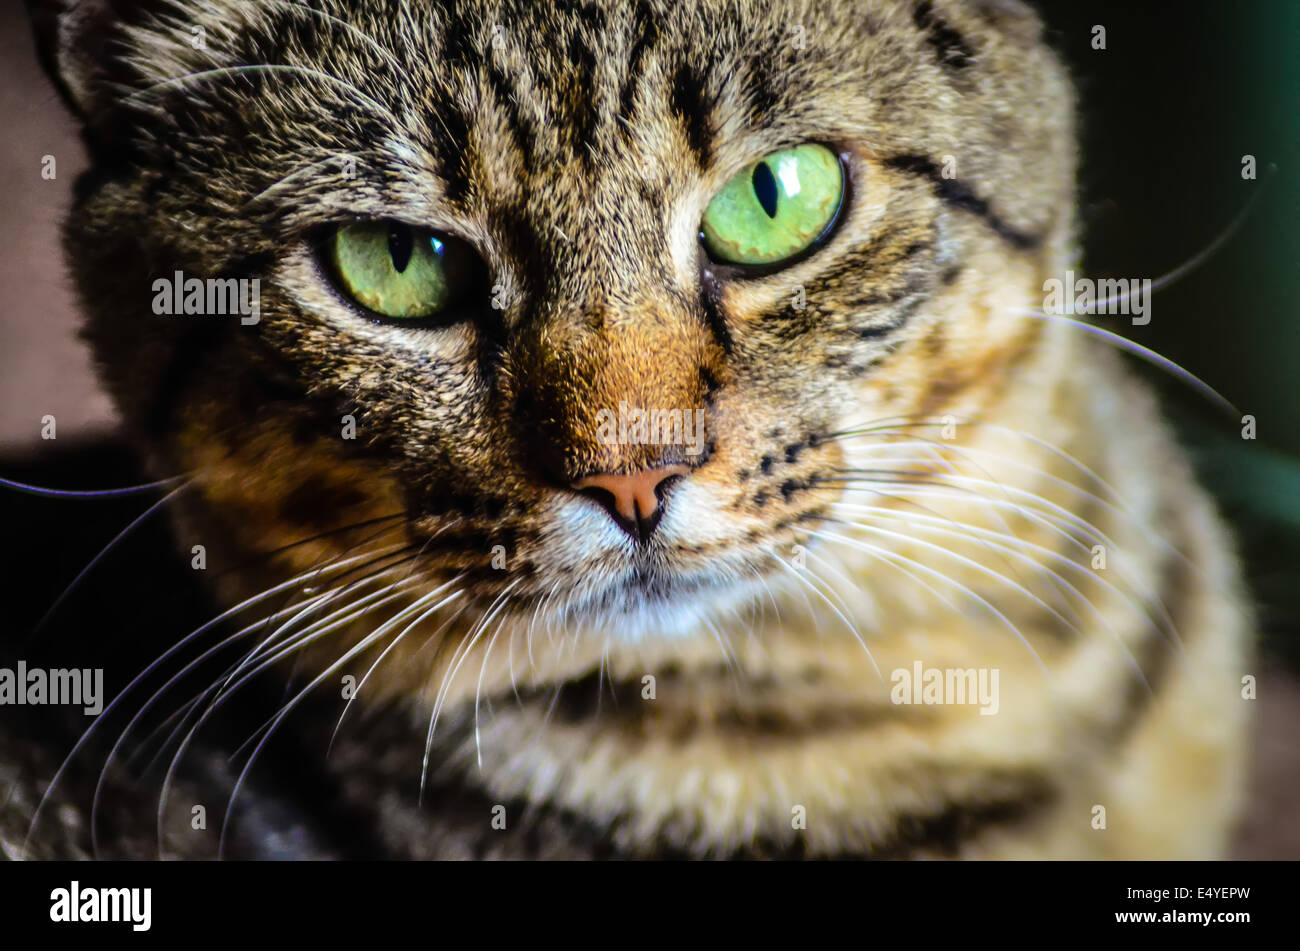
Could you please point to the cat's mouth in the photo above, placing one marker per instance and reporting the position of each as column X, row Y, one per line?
column 644, row 585
column 656, row 586
column 652, row 598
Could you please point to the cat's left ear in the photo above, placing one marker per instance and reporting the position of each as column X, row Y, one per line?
column 79, row 42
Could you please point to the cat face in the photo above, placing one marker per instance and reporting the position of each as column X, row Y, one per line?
column 568, row 159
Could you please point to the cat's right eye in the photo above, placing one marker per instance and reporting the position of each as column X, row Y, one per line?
column 398, row 271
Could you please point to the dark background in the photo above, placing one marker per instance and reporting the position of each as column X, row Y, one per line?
column 1182, row 91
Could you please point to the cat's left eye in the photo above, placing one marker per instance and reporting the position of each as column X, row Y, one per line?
column 398, row 271
column 776, row 208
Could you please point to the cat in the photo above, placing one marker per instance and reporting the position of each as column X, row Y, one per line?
column 934, row 581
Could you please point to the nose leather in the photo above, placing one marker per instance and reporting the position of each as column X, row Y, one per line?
column 635, row 497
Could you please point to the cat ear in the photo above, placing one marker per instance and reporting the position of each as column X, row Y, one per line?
column 78, row 43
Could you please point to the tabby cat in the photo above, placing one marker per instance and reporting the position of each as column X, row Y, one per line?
column 643, row 437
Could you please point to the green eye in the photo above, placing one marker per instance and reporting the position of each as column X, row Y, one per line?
column 775, row 208
column 398, row 271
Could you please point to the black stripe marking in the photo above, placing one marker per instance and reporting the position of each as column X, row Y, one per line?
column 711, row 308
column 959, row 195
column 1177, row 579
column 763, row 87
column 457, row 813
column 585, row 114
column 450, row 127
column 450, row 146
column 959, row 823
column 952, row 49
column 691, row 105
column 619, row 702
column 875, row 259
column 592, row 17
column 457, row 44
column 521, row 243
column 643, row 44
column 521, row 127
column 461, row 808
column 897, row 320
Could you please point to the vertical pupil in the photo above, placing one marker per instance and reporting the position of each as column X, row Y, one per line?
column 765, row 188
column 399, row 246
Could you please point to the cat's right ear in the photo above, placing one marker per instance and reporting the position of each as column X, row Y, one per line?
column 79, row 43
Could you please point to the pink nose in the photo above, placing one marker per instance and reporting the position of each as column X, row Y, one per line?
column 633, row 500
